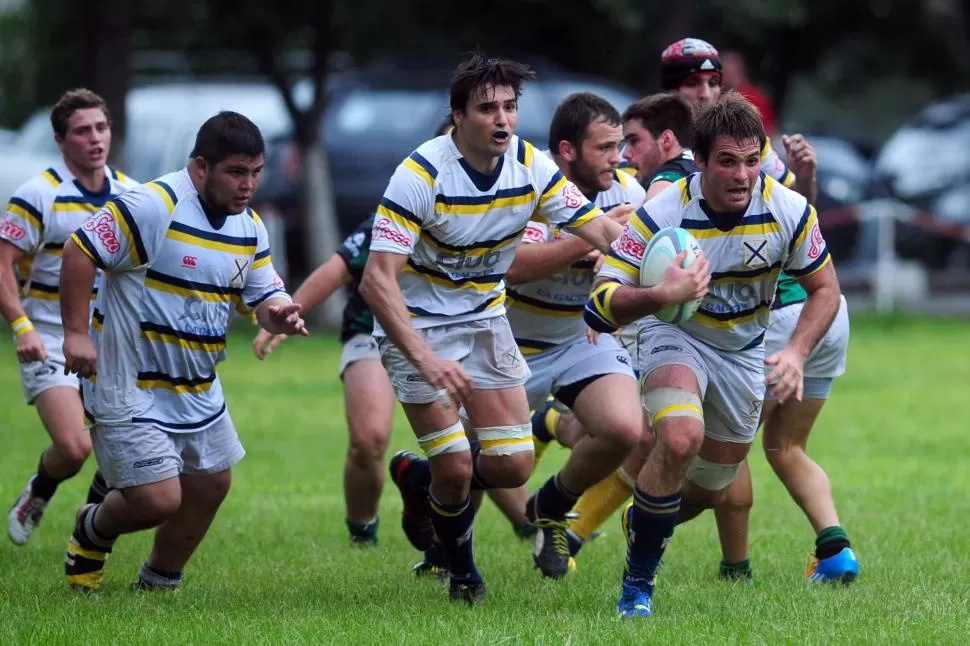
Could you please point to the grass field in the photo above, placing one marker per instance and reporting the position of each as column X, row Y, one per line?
column 276, row 567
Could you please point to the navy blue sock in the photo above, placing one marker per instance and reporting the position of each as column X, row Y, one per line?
column 478, row 483
column 554, row 500
column 43, row 485
column 435, row 555
column 98, row 489
column 652, row 522
column 453, row 526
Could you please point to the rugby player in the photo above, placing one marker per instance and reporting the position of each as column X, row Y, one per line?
column 39, row 218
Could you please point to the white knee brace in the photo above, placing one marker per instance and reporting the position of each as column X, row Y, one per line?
column 449, row 440
column 505, row 440
column 711, row 475
column 672, row 402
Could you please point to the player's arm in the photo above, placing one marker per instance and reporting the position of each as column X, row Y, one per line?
column 121, row 237
column 538, row 258
column 618, row 299
column 379, row 288
column 810, row 264
column 29, row 345
column 21, row 232
column 799, row 173
column 265, row 295
column 323, row 282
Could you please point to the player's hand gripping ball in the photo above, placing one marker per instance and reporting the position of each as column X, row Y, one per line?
column 660, row 252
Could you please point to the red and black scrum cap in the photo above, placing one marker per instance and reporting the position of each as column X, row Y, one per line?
column 686, row 57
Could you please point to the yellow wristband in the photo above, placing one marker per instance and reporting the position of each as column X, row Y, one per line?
column 21, row 326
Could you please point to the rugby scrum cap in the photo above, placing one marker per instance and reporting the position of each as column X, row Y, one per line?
column 685, row 57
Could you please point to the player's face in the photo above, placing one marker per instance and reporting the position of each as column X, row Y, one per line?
column 641, row 149
column 229, row 185
column 87, row 142
column 489, row 120
column 730, row 173
column 599, row 155
column 701, row 88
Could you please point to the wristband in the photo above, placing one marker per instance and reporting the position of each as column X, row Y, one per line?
column 21, row 326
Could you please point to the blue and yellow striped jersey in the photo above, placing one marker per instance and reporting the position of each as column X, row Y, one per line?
column 173, row 278
column 778, row 231
column 548, row 313
column 460, row 228
column 39, row 219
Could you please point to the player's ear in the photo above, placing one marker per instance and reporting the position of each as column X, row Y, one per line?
column 566, row 151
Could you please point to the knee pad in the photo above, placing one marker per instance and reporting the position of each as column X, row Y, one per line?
column 505, row 440
column 449, row 440
column 672, row 402
column 711, row 475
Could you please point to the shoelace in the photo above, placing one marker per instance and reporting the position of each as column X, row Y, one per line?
column 560, row 542
column 32, row 511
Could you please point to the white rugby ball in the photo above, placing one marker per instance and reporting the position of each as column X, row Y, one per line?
column 660, row 252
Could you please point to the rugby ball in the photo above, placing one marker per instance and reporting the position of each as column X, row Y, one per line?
column 660, row 252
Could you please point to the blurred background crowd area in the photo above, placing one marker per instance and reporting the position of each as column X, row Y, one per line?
column 343, row 91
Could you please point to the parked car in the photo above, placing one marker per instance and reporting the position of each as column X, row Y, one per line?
column 926, row 164
column 378, row 115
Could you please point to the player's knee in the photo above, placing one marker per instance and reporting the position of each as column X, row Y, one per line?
column 678, row 417
column 74, row 449
column 215, row 489
column 367, row 445
column 158, row 504
column 626, row 433
column 509, row 452
column 712, row 477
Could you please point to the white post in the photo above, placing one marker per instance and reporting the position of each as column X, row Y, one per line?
column 884, row 280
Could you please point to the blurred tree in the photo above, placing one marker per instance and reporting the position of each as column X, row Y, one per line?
column 106, row 34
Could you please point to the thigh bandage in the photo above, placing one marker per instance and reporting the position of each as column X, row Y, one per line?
column 505, row 440
column 450, row 440
column 672, row 402
column 711, row 475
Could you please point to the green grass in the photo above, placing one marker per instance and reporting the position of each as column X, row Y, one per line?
column 277, row 568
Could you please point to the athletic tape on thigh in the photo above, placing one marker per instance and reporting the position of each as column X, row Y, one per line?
column 672, row 402
column 450, row 440
column 711, row 475
column 505, row 440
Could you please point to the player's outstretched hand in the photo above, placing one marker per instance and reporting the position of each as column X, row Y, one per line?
column 265, row 343
column 288, row 320
column 449, row 376
column 684, row 285
column 786, row 379
column 80, row 357
column 621, row 213
column 30, row 347
column 802, row 159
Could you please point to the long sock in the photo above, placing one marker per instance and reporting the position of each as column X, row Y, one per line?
column 831, row 541
column 435, row 554
column 453, row 526
column 599, row 502
column 553, row 500
column 363, row 531
column 652, row 522
column 98, row 489
column 478, row 482
column 43, row 485
column 544, row 423
column 88, row 536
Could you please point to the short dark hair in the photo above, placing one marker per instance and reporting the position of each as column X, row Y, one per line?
column 72, row 101
column 574, row 116
column 664, row 111
column 479, row 71
column 227, row 134
column 731, row 116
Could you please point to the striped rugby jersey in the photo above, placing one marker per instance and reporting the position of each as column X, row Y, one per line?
column 173, row 277
column 39, row 219
column 548, row 313
column 460, row 228
column 779, row 231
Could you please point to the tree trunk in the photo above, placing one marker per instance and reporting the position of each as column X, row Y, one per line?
column 106, row 25
column 320, row 225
